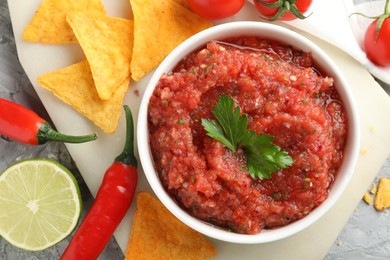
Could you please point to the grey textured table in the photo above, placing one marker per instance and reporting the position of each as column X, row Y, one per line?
column 365, row 236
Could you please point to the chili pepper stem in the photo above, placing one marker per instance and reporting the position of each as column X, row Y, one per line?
column 47, row 133
column 112, row 201
column 127, row 156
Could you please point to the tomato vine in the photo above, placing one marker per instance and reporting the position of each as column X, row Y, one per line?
column 377, row 37
column 286, row 10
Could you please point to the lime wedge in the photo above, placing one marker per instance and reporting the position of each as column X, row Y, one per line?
column 40, row 204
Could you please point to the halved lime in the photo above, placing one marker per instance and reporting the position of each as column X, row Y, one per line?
column 40, row 204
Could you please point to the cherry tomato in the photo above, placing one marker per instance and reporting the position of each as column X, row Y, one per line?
column 378, row 47
column 215, row 9
column 285, row 10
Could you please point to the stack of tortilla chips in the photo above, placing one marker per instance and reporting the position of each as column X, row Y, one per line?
column 116, row 49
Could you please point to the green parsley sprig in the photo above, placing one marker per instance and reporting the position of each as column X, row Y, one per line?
column 231, row 129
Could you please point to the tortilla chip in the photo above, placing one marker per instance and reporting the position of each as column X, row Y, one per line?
column 74, row 85
column 367, row 198
column 382, row 199
column 49, row 25
column 373, row 189
column 157, row 234
column 160, row 26
column 107, row 43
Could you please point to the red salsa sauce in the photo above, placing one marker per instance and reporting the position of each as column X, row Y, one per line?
column 282, row 94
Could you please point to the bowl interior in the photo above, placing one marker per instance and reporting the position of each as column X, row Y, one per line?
column 283, row 35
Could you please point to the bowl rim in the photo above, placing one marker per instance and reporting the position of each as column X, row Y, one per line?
column 218, row 32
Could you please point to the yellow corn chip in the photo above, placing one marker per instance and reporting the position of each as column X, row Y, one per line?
column 157, row 234
column 107, row 43
column 382, row 199
column 49, row 25
column 367, row 198
column 74, row 85
column 160, row 26
column 373, row 189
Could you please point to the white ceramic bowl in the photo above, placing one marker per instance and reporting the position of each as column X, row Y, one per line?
column 322, row 60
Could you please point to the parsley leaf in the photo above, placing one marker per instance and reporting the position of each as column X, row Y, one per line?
column 231, row 129
column 231, row 126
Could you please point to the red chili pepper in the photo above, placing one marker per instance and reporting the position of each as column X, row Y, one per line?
column 111, row 203
column 25, row 126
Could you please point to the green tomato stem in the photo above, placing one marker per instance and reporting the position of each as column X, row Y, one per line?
column 283, row 7
column 287, row 5
column 381, row 18
column 276, row 4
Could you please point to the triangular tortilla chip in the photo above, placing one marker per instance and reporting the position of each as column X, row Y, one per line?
column 159, row 27
column 107, row 43
column 49, row 25
column 157, row 234
column 74, row 85
column 382, row 199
